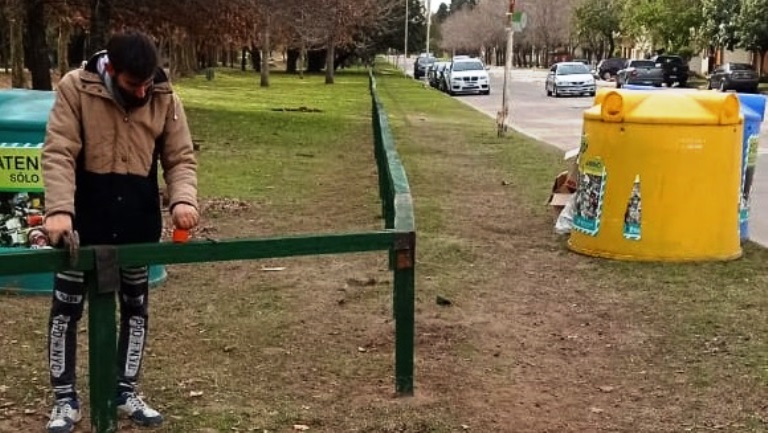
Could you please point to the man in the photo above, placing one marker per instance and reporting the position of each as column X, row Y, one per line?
column 112, row 121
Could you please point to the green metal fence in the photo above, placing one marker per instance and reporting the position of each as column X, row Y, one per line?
column 101, row 266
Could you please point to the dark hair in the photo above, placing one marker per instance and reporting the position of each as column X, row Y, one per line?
column 133, row 53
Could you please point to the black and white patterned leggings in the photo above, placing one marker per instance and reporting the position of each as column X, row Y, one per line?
column 66, row 311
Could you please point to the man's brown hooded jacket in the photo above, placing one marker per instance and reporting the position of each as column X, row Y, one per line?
column 100, row 160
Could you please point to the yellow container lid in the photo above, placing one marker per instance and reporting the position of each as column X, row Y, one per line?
column 665, row 107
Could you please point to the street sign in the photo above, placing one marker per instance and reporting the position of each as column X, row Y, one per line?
column 519, row 21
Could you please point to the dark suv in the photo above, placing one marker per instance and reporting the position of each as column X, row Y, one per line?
column 420, row 66
column 608, row 68
column 675, row 69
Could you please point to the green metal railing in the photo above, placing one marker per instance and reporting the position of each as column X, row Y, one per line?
column 101, row 266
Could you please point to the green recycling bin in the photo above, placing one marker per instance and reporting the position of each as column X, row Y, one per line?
column 23, row 117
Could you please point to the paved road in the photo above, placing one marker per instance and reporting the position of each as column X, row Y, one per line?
column 558, row 121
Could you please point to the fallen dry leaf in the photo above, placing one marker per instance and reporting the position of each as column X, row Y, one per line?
column 194, row 394
column 300, row 427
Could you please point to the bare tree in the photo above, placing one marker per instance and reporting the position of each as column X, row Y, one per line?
column 16, row 17
column 550, row 24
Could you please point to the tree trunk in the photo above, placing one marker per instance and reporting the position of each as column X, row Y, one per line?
column 291, row 61
column 101, row 14
column 189, row 52
column 256, row 58
column 265, row 50
column 183, row 55
column 213, row 60
column 38, row 55
column 243, row 59
column 315, row 61
column 329, row 64
column 63, row 54
column 302, row 59
column 17, row 54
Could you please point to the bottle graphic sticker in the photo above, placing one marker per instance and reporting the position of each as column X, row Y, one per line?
column 633, row 214
column 748, row 175
column 588, row 203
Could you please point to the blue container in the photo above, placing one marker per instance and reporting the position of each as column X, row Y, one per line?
column 753, row 109
column 23, row 118
column 42, row 284
column 640, row 87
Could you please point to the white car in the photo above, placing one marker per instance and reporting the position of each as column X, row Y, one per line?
column 466, row 75
column 570, row 78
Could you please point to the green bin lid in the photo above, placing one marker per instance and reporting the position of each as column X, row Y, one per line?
column 24, row 114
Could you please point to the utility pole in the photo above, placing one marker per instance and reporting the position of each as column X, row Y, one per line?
column 407, row 19
column 429, row 22
column 501, row 118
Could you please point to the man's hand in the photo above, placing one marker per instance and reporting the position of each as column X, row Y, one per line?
column 184, row 216
column 56, row 225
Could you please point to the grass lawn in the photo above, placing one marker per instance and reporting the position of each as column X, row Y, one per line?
column 536, row 339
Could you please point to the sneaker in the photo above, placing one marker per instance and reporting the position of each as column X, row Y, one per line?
column 65, row 414
column 131, row 405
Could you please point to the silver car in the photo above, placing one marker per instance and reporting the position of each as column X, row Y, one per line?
column 569, row 78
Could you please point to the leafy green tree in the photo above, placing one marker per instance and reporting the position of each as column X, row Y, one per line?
column 720, row 21
column 597, row 23
column 670, row 24
column 392, row 35
column 752, row 27
column 442, row 13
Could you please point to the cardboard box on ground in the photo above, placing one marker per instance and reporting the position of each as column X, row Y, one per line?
column 565, row 184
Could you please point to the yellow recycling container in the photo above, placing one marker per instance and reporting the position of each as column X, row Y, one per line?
column 659, row 177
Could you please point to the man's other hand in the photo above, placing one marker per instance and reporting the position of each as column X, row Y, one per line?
column 56, row 225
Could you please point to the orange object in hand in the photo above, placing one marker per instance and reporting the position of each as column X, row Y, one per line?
column 180, row 235
column 34, row 220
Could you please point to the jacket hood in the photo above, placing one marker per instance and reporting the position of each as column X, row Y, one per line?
column 92, row 66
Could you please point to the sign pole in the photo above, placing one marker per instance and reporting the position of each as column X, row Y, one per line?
column 405, row 48
column 429, row 22
column 501, row 121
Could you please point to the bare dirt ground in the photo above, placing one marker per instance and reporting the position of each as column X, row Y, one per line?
column 536, row 339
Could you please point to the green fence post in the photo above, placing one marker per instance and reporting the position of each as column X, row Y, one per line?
column 102, row 284
column 404, row 294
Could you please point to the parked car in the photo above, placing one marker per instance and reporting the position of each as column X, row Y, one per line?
column 674, row 69
column 466, row 75
column 608, row 68
column 420, row 66
column 572, row 78
column 643, row 72
column 734, row 76
column 435, row 73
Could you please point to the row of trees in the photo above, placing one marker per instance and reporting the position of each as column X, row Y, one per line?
column 683, row 26
column 600, row 26
column 479, row 27
column 194, row 34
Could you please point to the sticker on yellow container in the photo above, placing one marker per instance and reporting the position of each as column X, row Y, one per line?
column 633, row 214
column 588, row 205
column 584, row 145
